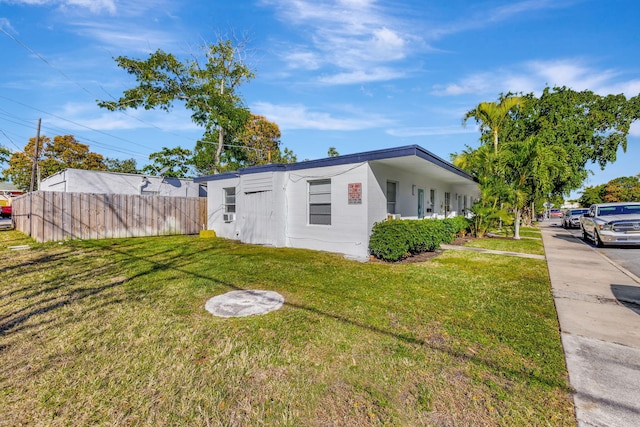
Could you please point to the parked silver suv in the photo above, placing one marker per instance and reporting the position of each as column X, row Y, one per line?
column 571, row 217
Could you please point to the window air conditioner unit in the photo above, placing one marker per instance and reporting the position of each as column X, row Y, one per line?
column 228, row 217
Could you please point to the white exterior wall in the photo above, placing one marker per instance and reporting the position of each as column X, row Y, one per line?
column 349, row 231
column 407, row 194
column 273, row 207
column 215, row 208
column 84, row 181
column 260, row 208
column 377, row 200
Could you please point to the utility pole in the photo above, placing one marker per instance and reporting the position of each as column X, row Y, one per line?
column 34, row 170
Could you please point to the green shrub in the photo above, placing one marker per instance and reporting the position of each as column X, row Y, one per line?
column 389, row 240
column 394, row 240
column 457, row 225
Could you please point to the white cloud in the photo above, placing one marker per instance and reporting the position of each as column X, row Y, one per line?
column 569, row 72
column 526, row 7
column 430, row 131
column 635, row 128
column 487, row 17
column 628, row 88
column 350, row 35
column 94, row 6
column 361, row 76
column 533, row 76
column 5, row 25
column 84, row 116
column 388, row 43
column 300, row 117
column 136, row 38
column 302, row 59
column 476, row 83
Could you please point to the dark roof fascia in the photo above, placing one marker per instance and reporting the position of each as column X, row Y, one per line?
column 242, row 171
column 387, row 153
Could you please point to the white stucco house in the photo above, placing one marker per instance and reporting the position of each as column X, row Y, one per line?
column 100, row 182
column 331, row 204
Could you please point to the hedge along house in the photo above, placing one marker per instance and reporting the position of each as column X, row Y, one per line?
column 331, row 204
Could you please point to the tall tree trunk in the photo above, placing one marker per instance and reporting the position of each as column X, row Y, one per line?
column 220, row 137
column 516, row 233
column 216, row 169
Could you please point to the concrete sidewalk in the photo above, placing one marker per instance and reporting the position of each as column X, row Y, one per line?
column 598, row 309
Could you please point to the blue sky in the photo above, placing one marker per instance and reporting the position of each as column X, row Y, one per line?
column 356, row 75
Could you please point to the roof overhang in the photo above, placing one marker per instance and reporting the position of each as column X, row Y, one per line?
column 412, row 158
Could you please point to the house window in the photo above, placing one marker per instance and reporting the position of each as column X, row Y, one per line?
column 432, row 200
column 392, row 196
column 320, row 202
column 229, row 200
column 447, row 202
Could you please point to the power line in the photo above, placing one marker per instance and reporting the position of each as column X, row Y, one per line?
column 42, row 59
column 11, row 140
column 54, row 129
column 94, row 96
column 74, row 123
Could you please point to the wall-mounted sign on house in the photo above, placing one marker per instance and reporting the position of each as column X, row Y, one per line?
column 355, row 194
column 331, row 204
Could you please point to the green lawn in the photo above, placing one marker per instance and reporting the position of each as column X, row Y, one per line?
column 114, row 332
column 530, row 242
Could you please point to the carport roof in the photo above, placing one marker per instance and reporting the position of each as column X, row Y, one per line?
column 378, row 155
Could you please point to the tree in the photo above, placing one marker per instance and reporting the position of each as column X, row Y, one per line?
column 5, row 154
column 590, row 127
column 209, row 90
column 490, row 115
column 169, row 162
column 62, row 153
column 624, row 189
column 121, row 166
column 257, row 144
column 545, row 145
column 332, row 152
column 530, row 168
column 592, row 195
column 483, row 163
column 287, row 156
column 260, row 140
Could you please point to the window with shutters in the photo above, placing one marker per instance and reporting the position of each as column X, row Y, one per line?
column 320, row 202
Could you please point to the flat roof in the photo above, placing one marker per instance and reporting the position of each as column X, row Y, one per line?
column 387, row 153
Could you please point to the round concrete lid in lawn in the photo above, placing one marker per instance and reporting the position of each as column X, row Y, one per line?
column 244, row 303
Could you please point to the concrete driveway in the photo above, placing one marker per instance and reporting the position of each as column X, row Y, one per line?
column 598, row 305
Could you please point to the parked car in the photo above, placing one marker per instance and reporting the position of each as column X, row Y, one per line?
column 6, row 212
column 555, row 213
column 571, row 217
column 612, row 224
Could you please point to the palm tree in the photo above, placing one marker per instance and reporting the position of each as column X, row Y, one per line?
column 490, row 115
column 530, row 168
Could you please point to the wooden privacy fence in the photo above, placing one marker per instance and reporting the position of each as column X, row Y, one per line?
column 53, row 216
